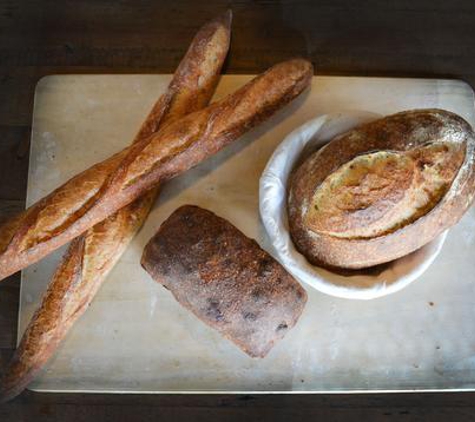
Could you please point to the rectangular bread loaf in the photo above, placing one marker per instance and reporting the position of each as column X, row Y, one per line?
column 224, row 278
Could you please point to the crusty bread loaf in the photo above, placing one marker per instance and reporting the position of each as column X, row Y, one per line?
column 106, row 187
column 92, row 255
column 224, row 278
column 382, row 190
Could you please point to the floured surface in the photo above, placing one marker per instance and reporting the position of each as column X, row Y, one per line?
column 136, row 338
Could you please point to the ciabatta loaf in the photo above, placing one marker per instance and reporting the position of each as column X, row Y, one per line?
column 225, row 279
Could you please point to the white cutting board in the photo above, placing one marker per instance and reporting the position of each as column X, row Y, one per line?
column 136, row 338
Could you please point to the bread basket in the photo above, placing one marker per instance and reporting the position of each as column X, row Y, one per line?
column 360, row 285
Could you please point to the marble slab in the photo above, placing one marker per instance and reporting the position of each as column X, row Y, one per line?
column 136, row 338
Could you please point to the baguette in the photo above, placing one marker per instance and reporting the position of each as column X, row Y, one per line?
column 92, row 255
column 226, row 279
column 382, row 190
column 106, row 187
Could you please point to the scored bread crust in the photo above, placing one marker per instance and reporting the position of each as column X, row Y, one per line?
column 99, row 191
column 399, row 132
column 92, row 255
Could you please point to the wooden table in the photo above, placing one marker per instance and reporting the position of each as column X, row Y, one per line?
column 39, row 37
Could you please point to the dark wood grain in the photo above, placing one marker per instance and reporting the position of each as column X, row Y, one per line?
column 430, row 38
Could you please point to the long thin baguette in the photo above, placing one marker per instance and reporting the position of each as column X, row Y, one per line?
column 98, row 192
column 92, row 255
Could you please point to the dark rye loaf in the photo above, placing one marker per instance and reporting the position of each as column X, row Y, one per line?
column 225, row 279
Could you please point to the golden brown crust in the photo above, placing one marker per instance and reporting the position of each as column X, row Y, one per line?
column 77, row 206
column 425, row 136
column 92, row 255
column 225, row 279
column 360, row 194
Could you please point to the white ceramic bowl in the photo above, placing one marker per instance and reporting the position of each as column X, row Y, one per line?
column 272, row 203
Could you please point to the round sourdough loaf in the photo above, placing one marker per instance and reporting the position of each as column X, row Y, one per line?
column 382, row 190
